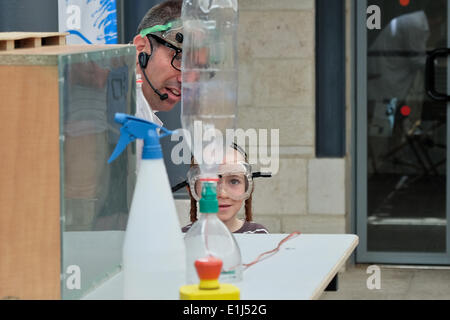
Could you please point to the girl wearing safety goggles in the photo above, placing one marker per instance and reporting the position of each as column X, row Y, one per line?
column 235, row 186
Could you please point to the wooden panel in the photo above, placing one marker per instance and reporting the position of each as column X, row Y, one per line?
column 48, row 55
column 6, row 45
column 24, row 35
column 27, row 43
column 52, row 41
column 18, row 40
column 69, row 49
column 29, row 190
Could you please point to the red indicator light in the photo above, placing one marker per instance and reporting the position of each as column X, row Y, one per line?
column 404, row 2
column 405, row 111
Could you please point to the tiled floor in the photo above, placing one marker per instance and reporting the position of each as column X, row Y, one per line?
column 397, row 282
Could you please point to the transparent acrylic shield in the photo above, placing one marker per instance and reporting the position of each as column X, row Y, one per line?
column 96, row 196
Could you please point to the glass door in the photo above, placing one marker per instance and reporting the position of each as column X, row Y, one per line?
column 402, row 133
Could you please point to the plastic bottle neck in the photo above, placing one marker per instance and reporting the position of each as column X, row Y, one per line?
column 208, row 201
column 208, row 215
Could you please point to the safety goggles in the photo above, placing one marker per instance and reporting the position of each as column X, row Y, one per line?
column 234, row 181
column 170, row 35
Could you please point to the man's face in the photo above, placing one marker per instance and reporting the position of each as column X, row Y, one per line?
column 163, row 76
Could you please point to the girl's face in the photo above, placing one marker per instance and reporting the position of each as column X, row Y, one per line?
column 228, row 208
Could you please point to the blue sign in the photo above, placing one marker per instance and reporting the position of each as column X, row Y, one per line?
column 88, row 21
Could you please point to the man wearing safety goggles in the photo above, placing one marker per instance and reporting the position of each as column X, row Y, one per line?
column 158, row 47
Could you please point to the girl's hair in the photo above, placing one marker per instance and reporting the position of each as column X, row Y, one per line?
column 248, row 202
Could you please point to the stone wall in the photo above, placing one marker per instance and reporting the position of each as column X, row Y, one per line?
column 277, row 91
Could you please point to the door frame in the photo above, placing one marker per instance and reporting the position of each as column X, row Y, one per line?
column 359, row 154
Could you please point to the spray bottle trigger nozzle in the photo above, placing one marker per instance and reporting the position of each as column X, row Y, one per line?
column 136, row 128
column 124, row 140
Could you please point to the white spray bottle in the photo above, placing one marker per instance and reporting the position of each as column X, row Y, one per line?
column 154, row 250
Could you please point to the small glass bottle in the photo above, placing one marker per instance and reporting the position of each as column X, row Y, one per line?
column 209, row 236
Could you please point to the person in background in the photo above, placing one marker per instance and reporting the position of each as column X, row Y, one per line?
column 396, row 71
column 158, row 44
column 395, row 58
column 235, row 187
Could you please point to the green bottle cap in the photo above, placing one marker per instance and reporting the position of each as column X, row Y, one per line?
column 208, row 202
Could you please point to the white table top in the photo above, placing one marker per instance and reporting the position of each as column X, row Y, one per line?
column 301, row 269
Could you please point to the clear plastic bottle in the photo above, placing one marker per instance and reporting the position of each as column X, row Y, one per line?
column 209, row 236
column 153, row 250
column 209, row 71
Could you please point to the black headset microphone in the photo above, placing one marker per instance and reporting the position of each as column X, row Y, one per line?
column 143, row 61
